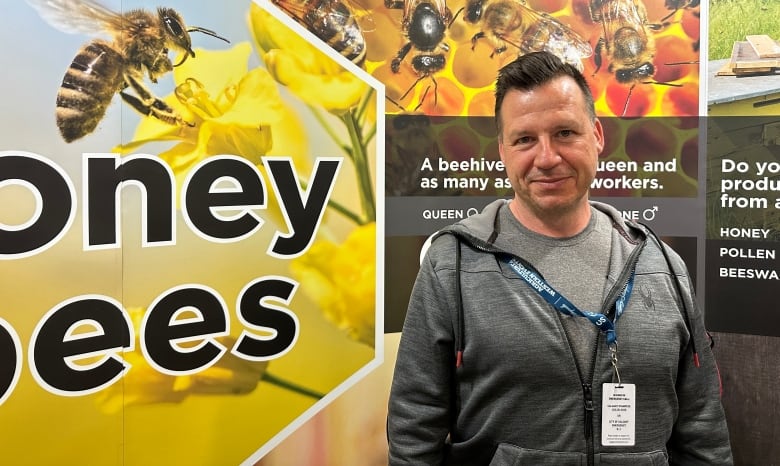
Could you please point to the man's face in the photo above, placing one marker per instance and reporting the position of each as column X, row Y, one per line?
column 550, row 147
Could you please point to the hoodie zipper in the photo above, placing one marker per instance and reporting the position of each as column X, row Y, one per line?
column 587, row 393
column 587, row 387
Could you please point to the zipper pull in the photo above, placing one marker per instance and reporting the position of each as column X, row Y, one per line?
column 587, row 391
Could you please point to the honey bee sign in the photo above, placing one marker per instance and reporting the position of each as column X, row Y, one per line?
column 188, row 231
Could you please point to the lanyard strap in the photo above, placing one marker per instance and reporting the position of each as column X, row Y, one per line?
column 564, row 306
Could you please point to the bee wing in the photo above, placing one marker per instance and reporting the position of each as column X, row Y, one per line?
column 336, row 10
column 563, row 37
column 77, row 16
column 441, row 7
column 544, row 32
column 294, row 9
column 622, row 13
column 363, row 16
column 568, row 50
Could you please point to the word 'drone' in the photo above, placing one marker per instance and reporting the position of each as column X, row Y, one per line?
column 218, row 201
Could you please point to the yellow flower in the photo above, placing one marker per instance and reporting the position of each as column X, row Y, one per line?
column 341, row 279
column 229, row 109
column 143, row 384
column 302, row 68
column 232, row 110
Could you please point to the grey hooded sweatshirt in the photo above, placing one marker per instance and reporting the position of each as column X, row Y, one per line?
column 486, row 374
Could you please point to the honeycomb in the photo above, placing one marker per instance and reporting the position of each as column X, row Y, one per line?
column 465, row 86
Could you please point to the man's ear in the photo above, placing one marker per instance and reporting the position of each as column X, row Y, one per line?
column 598, row 132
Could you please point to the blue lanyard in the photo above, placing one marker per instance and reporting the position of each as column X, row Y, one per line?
column 564, row 306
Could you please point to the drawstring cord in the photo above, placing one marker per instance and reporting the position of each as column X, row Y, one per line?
column 677, row 286
column 459, row 343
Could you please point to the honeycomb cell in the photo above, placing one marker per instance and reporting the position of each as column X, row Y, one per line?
column 384, row 40
column 688, row 122
column 613, row 137
column 673, row 61
column 483, row 104
column 681, row 100
column 471, row 68
column 650, row 139
column 622, row 99
column 483, row 126
column 490, row 151
column 396, row 84
column 691, row 24
column 444, row 97
column 689, row 157
column 459, row 143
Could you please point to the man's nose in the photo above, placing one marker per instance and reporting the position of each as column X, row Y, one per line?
column 547, row 155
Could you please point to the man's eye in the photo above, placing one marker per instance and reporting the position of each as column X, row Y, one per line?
column 566, row 133
column 524, row 140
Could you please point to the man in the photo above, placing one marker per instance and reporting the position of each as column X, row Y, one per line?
column 547, row 330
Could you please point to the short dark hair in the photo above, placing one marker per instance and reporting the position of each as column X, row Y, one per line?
column 535, row 69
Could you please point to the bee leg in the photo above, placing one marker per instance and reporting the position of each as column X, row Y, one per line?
column 628, row 98
column 394, row 4
column 412, row 87
column 597, row 55
column 595, row 10
column 425, row 93
column 395, row 65
column 452, row 21
column 475, row 38
column 157, row 109
column 435, row 91
column 149, row 105
column 670, row 15
column 422, row 99
column 160, row 66
column 658, row 26
column 499, row 50
column 400, row 107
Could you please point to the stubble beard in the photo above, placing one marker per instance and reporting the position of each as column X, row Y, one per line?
column 551, row 210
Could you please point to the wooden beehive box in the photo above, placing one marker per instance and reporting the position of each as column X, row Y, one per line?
column 759, row 54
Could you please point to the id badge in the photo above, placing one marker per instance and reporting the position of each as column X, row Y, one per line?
column 618, row 414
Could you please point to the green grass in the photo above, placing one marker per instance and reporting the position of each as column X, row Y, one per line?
column 731, row 20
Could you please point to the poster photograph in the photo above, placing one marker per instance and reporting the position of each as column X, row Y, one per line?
column 189, row 232
column 212, row 214
column 741, row 272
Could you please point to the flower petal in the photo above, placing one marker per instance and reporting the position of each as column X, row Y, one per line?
column 269, row 33
column 336, row 92
column 216, row 69
column 341, row 279
column 256, row 101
